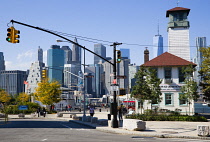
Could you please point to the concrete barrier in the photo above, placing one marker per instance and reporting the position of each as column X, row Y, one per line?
column 71, row 115
column 203, row 130
column 21, row 115
column 59, row 114
column 103, row 122
column 94, row 119
column 134, row 124
column 75, row 117
column 2, row 115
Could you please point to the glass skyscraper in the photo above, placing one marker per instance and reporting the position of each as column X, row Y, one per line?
column 99, row 49
column 125, row 53
column 2, row 62
column 76, row 53
column 157, row 45
column 55, row 62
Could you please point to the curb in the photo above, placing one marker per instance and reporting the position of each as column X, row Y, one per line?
column 127, row 132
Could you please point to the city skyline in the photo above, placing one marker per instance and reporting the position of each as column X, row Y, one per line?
column 132, row 26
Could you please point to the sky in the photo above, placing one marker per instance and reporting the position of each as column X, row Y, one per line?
column 129, row 22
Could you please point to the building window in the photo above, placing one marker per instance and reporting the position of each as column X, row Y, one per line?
column 168, row 99
column 181, row 75
column 182, row 100
column 167, row 73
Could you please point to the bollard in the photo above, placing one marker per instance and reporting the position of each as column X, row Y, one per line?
column 99, row 109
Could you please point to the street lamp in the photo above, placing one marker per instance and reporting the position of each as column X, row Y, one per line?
column 84, row 112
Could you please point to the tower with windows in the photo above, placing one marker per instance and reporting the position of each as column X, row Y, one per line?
column 178, row 32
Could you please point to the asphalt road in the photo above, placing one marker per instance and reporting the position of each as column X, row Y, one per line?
column 49, row 130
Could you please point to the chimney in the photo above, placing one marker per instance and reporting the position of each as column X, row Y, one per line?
column 146, row 55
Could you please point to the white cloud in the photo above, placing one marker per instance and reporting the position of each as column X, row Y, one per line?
column 27, row 55
column 23, row 61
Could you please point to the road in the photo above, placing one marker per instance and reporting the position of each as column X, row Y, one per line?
column 49, row 130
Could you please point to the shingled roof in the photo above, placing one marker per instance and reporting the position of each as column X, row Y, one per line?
column 177, row 9
column 167, row 59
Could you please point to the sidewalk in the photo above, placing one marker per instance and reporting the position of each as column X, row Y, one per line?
column 162, row 129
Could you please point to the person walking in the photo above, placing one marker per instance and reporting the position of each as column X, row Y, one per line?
column 120, row 112
column 38, row 111
column 44, row 111
column 91, row 111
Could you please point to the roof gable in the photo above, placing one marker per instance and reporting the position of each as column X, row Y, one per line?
column 167, row 59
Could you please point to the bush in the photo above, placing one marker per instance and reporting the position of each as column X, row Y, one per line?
column 13, row 109
column 166, row 117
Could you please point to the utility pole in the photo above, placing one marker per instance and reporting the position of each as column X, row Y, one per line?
column 114, row 106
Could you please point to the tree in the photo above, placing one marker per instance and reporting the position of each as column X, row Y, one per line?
column 205, row 72
column 189, row 89
column 147, row 86
column 23, row 97
column 4, row 97
column 48, row 92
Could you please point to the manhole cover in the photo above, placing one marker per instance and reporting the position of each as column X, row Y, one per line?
column 170, row 132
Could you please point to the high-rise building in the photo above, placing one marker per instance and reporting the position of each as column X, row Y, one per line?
column 125, row 53
column 133, row 69
column 99, row 49
column 2, row 62
column 76, row 53
column 157, row 45
column 55, row 62
column 12, row 81
column 34, row 76
column 67, row 54
column 71, row 81
column 200, row 42
column 40, row 55
column 122, row 70
column 178, row 32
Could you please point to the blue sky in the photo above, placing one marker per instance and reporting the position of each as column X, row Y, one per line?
column 126, row 21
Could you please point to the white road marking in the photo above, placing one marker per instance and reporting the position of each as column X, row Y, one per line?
column 43, row 140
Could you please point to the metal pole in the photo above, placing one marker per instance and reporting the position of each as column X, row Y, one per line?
column 84, row 115
column 114, row 120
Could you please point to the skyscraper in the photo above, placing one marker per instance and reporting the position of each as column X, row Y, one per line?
column 67, row 54
column 40, row 54
column 178, row 32
column 55, row 62
column 200, row 42
column 125, row 53
column 12, row 81
column 76, row 53
column 2, row 62
column 157, row 45
column 99, row 49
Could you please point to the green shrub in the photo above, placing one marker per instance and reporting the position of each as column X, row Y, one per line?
column 165, row 117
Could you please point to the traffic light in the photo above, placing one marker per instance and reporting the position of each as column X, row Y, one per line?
column 44, row 73
column 16, row 36
column 10, row 34
column 118, row 56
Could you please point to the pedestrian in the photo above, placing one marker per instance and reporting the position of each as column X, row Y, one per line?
column 120, row 111
column 44, row 111
column 66, row 108
column 91, row 111
column 69, row 108
column 38, row 111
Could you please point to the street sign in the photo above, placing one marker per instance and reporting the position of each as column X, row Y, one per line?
column 121, row 76
column 23, row 107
